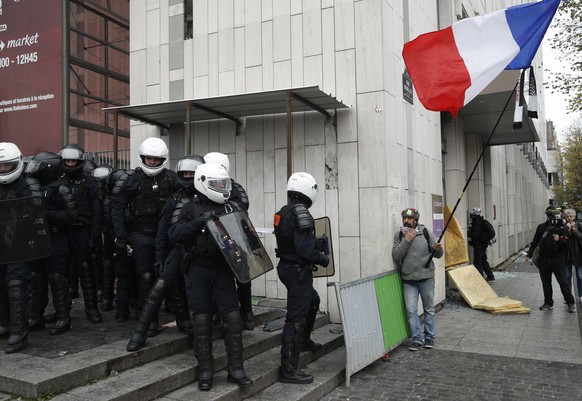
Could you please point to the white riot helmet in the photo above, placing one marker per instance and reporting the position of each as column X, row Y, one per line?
column 153, row 147
column 212, row 181
column 11, row 163
column 302, row 186
column 220, row 158
column 475, row 212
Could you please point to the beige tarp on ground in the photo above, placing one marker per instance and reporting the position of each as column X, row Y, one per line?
column 455, row 244
column 477, row 292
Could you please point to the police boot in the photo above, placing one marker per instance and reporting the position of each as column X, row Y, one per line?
column 38, row 300
column 234, row 350
column 62, row 304
column 179, row 306
column 89, row 293
column 307, row 344
column 203, row 350
column 290, row 344
column 148, row 313
column 122, row 313
column 146, row 283
column 4, row 311
column 245, row 299
column 18, row 298
column 108, row 283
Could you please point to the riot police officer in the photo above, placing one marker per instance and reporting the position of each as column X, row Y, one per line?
column 84, row 235
column 143, row 195
column 170, row 284
column 15, row 277
column 296, row 248
column 209, row 275
column 102, row 255
column 61, row 212
column 238, row 195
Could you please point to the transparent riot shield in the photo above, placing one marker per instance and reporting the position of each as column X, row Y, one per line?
column 24, row 231
column 241, row 246
column 323, row 241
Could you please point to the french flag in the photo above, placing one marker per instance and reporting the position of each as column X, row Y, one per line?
column 450, row 67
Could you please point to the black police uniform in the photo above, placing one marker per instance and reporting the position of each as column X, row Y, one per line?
column 84, row 235
column 170, row 283
column 15, row 277
column 296, row 248
column 209, row 278
column 144, row 197
column 61, row 211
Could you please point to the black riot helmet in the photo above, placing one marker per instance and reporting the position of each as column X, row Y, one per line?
column 73, row 158
column 46, row 167
column 554, row 214
column 188, row 164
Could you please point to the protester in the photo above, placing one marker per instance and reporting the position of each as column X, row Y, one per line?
column 411, row 250
column 481, row 235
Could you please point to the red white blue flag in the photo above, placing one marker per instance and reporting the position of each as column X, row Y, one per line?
column 450, row 67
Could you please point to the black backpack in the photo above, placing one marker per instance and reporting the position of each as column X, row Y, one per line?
column 487, row 231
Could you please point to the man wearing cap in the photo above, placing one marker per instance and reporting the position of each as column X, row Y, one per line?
column 411, row 250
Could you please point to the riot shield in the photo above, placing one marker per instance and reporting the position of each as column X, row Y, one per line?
column 323, row 242
column 237, row 239
column 24, row 231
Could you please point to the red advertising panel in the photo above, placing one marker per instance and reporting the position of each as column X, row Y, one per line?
column 31, row 68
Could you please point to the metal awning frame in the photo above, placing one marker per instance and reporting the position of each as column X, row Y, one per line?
column 196, row 104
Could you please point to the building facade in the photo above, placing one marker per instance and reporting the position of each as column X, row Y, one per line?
column 371, row 160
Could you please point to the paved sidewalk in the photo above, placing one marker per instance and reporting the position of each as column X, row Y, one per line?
column 480, row 356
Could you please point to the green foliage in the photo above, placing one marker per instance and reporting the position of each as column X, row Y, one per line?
column 569, row 191
column 568, row 43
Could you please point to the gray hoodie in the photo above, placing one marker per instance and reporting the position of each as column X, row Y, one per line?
column 412, row 256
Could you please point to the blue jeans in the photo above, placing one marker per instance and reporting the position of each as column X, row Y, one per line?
column 568, row 276
column 424, row 288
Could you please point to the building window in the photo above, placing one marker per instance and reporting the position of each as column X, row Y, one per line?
column 188, row 19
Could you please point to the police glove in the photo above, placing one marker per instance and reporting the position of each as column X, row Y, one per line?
column 325, row 262
column 209, row 215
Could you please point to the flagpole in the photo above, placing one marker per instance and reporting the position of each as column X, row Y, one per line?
column 471, row 175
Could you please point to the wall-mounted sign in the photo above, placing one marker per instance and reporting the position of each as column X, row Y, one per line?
column 407, row 88
column 31, row 75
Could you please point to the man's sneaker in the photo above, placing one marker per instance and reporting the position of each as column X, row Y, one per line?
column 572, row 308
column 546, row 306
column 415, row 346
column 428, row 344
column 492, row 278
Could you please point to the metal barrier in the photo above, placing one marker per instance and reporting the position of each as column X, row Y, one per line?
column 373, row 317
column 106, row 157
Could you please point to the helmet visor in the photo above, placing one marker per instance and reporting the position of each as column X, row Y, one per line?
column 221, row 185
column 71, row 154
column 33, row 166
column 9, row 166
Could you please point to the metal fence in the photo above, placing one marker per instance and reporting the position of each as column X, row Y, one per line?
column 373, row 317
column 106, row 157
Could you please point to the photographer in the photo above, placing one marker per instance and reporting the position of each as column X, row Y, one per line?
column 553, row 237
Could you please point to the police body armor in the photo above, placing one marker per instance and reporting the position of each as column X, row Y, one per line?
column 79, row 189
column 149, row 202
column 322, row 230
column 24, row 231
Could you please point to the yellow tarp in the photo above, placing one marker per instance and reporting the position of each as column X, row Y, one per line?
column 456, row 252
column 477, row 292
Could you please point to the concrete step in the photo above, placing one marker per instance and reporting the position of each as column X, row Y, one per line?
column 263, row 369
column 88, row 353
column 153, row 377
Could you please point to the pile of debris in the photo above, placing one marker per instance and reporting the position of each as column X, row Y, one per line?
column 477, row 292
